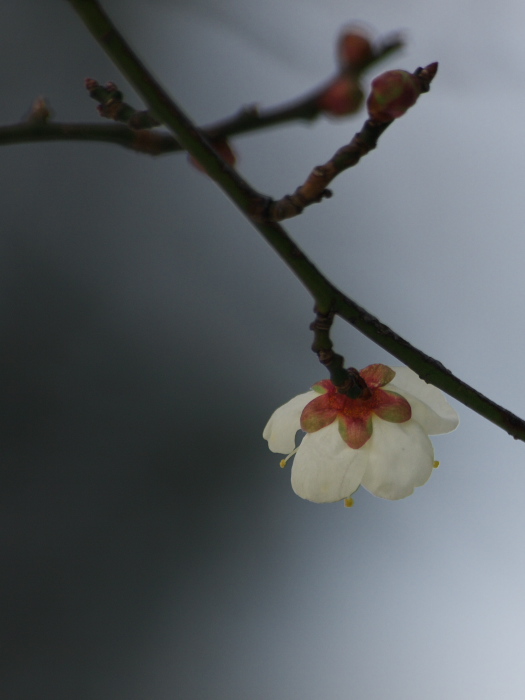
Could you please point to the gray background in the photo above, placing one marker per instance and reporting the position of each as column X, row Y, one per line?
column 151, row 546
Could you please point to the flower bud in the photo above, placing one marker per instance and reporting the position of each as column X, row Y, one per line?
column 343, row 96
column 392, row 93
column 40, row 112
column 354, row 49
column 225, row 151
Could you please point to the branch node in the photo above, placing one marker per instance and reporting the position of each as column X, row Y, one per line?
column 112, row 106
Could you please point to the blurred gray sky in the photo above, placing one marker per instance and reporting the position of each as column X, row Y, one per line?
column 152, row 547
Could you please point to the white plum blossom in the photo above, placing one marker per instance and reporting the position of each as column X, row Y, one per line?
column 379, row 441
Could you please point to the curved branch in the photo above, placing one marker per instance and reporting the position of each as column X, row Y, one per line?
column 327, row 296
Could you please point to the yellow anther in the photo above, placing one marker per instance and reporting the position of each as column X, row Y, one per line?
column 282, row 463
column 349, row 502
column 436, row 465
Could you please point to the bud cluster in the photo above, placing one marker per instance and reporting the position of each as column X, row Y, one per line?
column 344, row 94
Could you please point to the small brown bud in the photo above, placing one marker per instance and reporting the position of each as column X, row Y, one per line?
column 343, row 96
column 392, row 93
column 354, row 49
column 90, row 84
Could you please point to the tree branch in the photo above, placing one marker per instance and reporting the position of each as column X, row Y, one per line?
column 347, row 380
column 328, row 298
column 151, row 142
column 38, row 126
column 314, row 190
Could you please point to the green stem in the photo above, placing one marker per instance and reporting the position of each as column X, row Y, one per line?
column 328, row 298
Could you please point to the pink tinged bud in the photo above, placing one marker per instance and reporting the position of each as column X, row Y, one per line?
column 392, row 93
column 354, row 50
column 223, row 149
column 343, row 96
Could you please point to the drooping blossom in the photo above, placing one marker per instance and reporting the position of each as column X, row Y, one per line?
column 379, row 441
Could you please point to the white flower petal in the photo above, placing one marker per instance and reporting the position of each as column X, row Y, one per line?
column 285, row 422
column 430, row 408
column 400, row 457
column 325, row 469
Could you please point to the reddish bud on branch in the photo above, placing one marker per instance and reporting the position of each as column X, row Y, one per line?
column 354, row 49
column 394, row 92
column 343, row 96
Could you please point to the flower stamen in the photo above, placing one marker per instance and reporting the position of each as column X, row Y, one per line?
column 282, row 463
column 349, row 502
column 436, row 464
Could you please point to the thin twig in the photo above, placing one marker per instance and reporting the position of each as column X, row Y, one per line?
column 347, row 380
column 314, row 189
column 111, row 105
column 151, row 142
column 326, row 295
